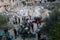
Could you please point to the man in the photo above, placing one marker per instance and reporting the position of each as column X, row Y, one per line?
column 39, row 35
column 15, row 32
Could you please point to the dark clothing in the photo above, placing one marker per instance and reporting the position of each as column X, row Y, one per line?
column 43, row 39
column 15, row 33
column 5, row 31
column 31, row 25
column 39, row 35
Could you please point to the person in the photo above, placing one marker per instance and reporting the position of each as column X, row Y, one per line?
column 15, row 32
column 39, row 35
column 6, row 34
column 31, row 24
column 25, row 31
column 5, row 31
column 19, row 29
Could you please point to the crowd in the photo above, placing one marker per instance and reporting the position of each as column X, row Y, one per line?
column 25, row 30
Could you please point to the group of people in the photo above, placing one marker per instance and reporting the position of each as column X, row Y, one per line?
column 25, row 30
